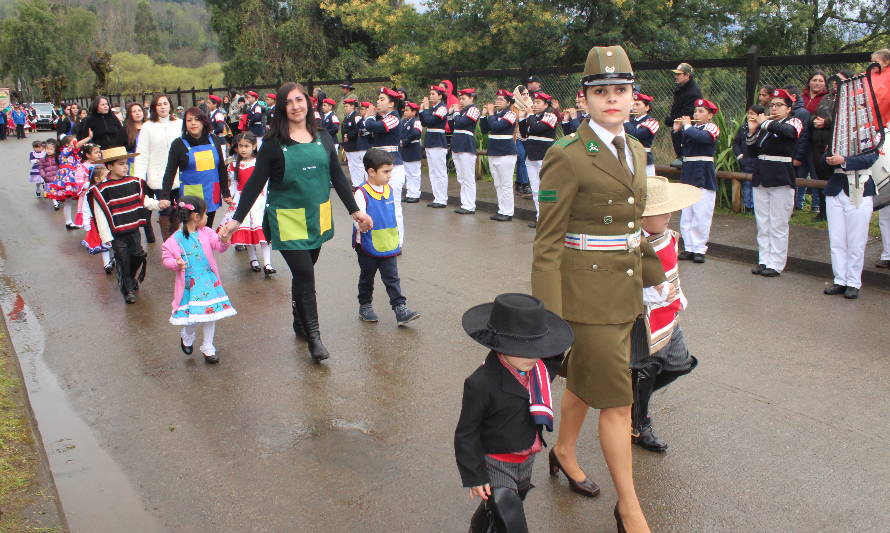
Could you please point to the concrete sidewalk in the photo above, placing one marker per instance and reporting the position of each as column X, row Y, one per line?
column 732, row 236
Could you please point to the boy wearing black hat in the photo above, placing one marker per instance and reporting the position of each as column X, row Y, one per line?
column 506, row 403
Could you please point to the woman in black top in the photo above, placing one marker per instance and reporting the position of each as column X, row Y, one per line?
column 299, row 162
column 68, row 124
column 105, row 127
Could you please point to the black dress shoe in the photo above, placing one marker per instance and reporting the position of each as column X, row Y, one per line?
column 501, row 218
column 770, row 273
column 851, row 293
column 587, row 487
column 883, row 263
column 268, row 270
column 187, row 350
column 685, row 256
column 698, row 258
column 410, row 200
column 462, row 211
column 533, row 224
column 758, row 270
column 834, row 288
column 211, row 359
column 434, row 205
column 646, row 438
column 130, row 298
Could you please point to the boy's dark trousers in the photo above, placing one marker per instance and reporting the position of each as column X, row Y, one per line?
column 19, row 131
column 3, row 129
column 129, row 257
column 389, row 274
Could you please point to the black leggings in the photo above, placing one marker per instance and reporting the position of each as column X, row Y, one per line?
column 302, row 269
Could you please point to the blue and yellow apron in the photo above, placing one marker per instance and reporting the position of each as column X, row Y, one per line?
column 201, row 176
column 383, row 239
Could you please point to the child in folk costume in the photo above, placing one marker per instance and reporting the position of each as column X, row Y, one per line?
column 349, row 129
column 37, row 153
column 643, row 127
column 507, row 405
column 539, row 129
column 379, row 248
column 697, row 144
column 117, row 207
column 499, row 123
column 386, row 136
column 48, row 167
column 661, row 356
column 462, row 120
column 412, row 131
column 198, row 295
column 66, row 184
column 434, row 117
column 250, row 232
column 91, row 154
column 93, row 241
column 329, row 119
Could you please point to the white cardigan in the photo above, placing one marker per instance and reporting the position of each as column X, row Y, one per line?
column 153, row 147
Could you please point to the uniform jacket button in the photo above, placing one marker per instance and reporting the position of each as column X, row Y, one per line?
column 594, row 267
column 630, row 225
column 630, row 272
column 610, row 202
column 630, row 200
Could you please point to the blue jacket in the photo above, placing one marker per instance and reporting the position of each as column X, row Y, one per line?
column 540, row 131
column 698, row 142
column 643, row 129
column 434, row 120
column 499, row 128
column 411, row 133
column 331, row 123
column 774, row 146
column 838, row 181
column 19, row 117
column 255, row 120
column 803, row 140
column 350, row 130
column 463, row 126
column 386, row 134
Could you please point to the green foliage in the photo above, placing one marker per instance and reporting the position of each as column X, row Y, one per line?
column 135, row 73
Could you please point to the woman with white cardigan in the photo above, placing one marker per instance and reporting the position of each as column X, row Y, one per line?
column 153, row 146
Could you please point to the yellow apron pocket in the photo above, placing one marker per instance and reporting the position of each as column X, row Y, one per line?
column 193, row 190
column 291, row 224
column 385, row 240
column 324, row 217
column 204, row 160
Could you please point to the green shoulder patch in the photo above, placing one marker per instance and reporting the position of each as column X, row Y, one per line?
column 593, row 147
column 567, row 140
column 547, row 195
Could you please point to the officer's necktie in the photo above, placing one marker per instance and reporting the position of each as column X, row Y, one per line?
column 618, row 141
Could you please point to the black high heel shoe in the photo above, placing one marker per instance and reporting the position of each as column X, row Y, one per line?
column 618, row 521
column 587, row 487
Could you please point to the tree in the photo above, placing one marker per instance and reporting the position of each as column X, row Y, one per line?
column 147, row 36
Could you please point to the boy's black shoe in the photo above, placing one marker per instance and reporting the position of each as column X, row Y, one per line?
column 834, row 288
column 758, row 269
column 404, row 315
column 130, row 298
column 501, row 218
column 698, row 258
column 646, row 438
column 366, row 313
column 770, row 273
column 533, row 225
column 851, row 293
column 462, row 211
column 685, row 256
column 410, row 200
column 434, row 205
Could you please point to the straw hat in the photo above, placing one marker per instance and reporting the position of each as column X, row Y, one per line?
column 663, row 196
column 113, row 154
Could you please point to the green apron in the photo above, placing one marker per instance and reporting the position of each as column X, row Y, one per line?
column 298, row 209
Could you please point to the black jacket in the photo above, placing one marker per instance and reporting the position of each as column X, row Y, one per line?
column 494, row 418
column 684, row 101
column 105, row 129
column 178, row 160
column 775, row 139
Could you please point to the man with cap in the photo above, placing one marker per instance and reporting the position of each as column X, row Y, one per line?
column 462, row 120
column 255, row 122
column 589, row 265
column 347, row 92
column 686, row 92
column 351, row 134
column 499, row 122
column 412, row 131
column 643, row 127
column 434, row 116
column 270, row 107
column 329, row 120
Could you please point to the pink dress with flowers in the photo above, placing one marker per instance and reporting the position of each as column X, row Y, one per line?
column 203, row 297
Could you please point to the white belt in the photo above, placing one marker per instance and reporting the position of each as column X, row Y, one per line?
column 414, row 141
column 465, row 132
column 776, row 158
column 582, row 241
column 698, row 158
column 536, row 138
column 434, row 130
column 388, row 148
column 648, row 150
column 503, row 137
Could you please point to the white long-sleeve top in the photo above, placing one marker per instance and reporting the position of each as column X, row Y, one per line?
column 153, row 147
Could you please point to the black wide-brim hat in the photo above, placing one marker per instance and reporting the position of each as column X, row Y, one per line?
column 517, row 324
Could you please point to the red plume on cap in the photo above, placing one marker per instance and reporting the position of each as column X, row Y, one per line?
column 469, row 92
column 785, row 95
column 542, row 96
column 412, row 105
column 505, row 93
column 352, row 101
column 707, row 104
column 642, row 96
column 215, row 99
column 392, row 93
column 329, row 101
column 439, row 88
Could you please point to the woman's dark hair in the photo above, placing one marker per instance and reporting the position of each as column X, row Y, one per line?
column 757, row 108
column 769, row 89
column 94, row 107
column 66, row 140
column 130, row 125
column 202, row 118
column 86, row 149
column 153, row 106
column 243, row 136
column 184, row 213
column 278, row 127
column 813, row 74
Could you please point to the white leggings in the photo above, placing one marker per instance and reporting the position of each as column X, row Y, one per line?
column 267, row 253
column 189, row 333
column 67, row 207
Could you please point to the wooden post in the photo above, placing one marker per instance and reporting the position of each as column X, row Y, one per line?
column 178, row 98
column 752, row 74
column 736, row 196
column 194, row 97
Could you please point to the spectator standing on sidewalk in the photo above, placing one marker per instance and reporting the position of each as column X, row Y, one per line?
column 801, row 170
column 686, row 92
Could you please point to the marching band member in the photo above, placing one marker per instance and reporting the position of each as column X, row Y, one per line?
column 270, row 107
column 351, row 135
column 643, row 127
column 499, row 123
column 314, row 102
column 571, row 119
column 217, row 117
column 329, row 120
column 540, row 130
column 255, row 123
column 697, row 144
column 433, row 116
column 463, row 148
column 386, row 135
column 410, row 151
column 771, row 139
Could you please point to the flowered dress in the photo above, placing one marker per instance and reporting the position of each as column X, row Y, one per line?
column 203, row 297
column 65, row 185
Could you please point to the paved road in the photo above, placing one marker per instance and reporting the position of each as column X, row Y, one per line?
column 781, row 428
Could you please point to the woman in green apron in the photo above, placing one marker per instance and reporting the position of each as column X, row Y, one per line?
column 299, row 162
column 199, row 158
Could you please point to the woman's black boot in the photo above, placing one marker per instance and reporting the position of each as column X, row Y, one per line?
column 298, row 322
column 306, row 306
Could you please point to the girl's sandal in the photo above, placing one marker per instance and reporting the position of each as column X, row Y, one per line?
column 255, row 265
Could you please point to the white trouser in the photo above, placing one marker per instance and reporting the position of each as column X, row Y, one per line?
column 695, row 223
column 465, row 167
column 412, row 179
column 67, row 207
column 397, row 184
column 189, row 333
column 534, row 180
column 848, row 235
column 435, row 160
column 502, row 168
column 356, row 167
column 650, row 170
column 259, row 142
column 772, row 211
column 884, row 224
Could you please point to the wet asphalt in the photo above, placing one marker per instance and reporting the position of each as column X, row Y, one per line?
column 781, row 428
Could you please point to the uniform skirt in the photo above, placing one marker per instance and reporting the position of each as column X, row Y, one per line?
column 597, row 367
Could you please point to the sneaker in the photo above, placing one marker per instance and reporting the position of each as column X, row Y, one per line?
column 366, row 313
column 404, row 315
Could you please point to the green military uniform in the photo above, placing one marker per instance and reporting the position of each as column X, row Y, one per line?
column 589, row 264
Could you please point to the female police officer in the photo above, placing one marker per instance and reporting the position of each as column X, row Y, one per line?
column 590, row 267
